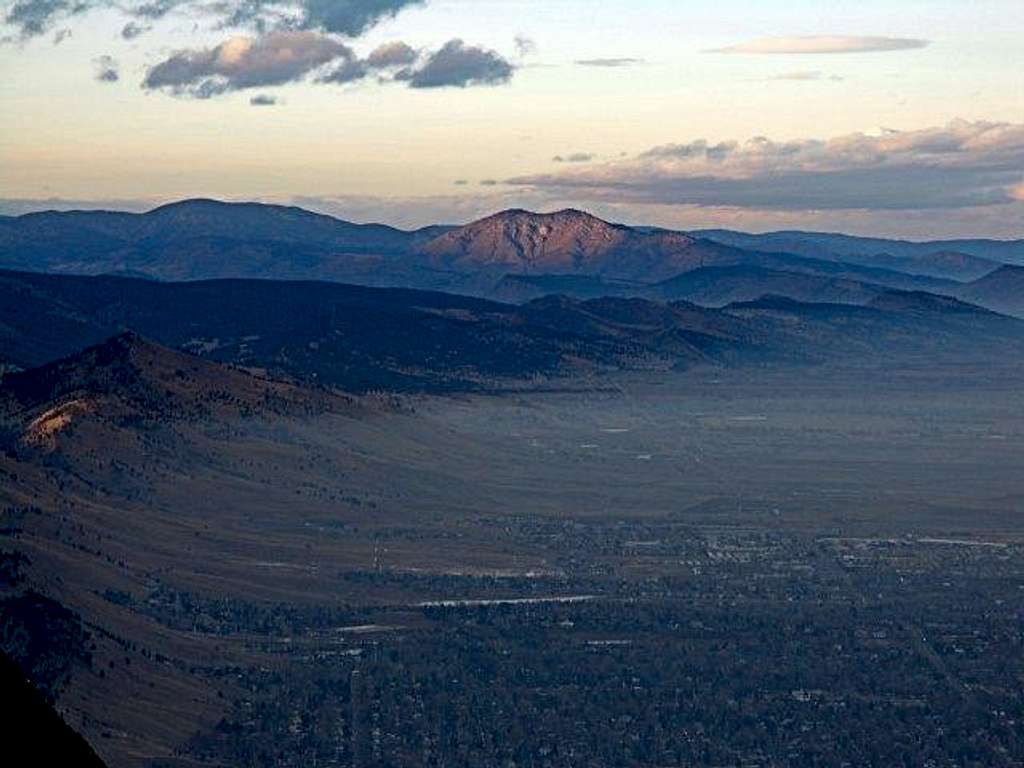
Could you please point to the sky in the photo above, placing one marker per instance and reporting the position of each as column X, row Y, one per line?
column 900, row 118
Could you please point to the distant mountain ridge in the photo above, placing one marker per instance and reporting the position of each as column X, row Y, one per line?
column 1002, row 291
column 200, row 239
column 202, row 217
column 207, row 239
column 965, row 259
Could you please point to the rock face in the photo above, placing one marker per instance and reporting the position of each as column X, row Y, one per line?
column 567, row 242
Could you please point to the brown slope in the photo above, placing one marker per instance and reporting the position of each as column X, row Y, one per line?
column 566, row 242
column 129, row 380
column 115, row 463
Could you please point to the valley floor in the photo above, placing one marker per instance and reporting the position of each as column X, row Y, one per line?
column 709, row 569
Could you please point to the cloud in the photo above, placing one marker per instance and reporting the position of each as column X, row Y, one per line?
column 133, row 29
column 290, row 39
column 609, row 63
column 263, row 100
column 155, row 9
column 283, row 57
column 960, row 165
column 694, row 149
column 525, row 46
column 459, row 65
column 382, row 61
column 345, row 17
column 34, row 17
column 350, row 70
column 575, row 157
column 820, row 44
column 107, row 69
column 805, row 76
column 350, row 17
column 245, row 62
column 393, row 54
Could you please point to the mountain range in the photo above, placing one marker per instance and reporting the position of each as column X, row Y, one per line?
column 958, row 259
column 206, row 239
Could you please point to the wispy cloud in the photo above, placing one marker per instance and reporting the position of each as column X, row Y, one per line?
column 960, row 165
column 525, row 46
column 823, row 44
column 574, row 157
column 610, row 63
column 805, row 76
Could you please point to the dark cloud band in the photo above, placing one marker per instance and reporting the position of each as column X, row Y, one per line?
column 459, row 65
column 345, row 17
column 283, row 57
column 961, row 165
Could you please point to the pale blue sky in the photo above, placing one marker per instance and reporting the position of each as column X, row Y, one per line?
column 393, row 153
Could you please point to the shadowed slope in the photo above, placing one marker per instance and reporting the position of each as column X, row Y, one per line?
column 1002, row 290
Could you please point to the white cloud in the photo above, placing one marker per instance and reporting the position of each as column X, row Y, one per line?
column 805, row 76
column 824, row 44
